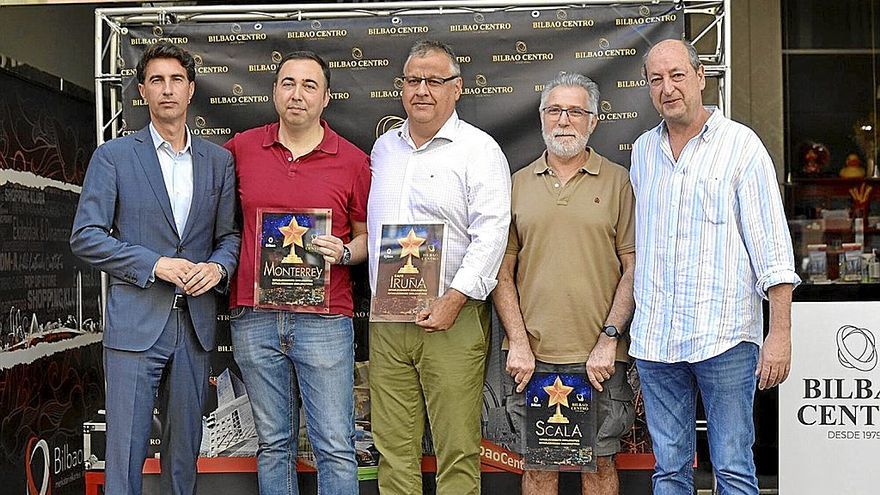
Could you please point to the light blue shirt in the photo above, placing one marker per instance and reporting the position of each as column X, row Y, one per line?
column 177, row 170
column 711, row 238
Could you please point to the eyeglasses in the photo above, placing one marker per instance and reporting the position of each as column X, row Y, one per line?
column 432, row 82
column 574, row 113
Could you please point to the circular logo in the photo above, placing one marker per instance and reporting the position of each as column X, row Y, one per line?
column 258, row 26
column 521, row 47
column 395, row 20
column 236, row 28
column 387, row 123
column 120, row 62
column 604, row 44
column 561, row 15
column 198, row 59
column 606, row 106
column 237, row 90
column 37, row 450
column 276, row 56
column 480, row 79
column 123, row 30
column 478, row 18
column 856, row 348
column 158, row 31
column 357, row 53
column 201, row 122
column 398, row 83
column 316, row 24
column 644, row 11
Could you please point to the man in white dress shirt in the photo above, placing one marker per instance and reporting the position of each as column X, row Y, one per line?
column 436, row 168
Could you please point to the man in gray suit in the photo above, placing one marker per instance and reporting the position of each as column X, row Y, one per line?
column 157, row 215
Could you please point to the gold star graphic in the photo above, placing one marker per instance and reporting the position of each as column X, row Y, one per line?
column 293, row 233
column 410, row 244
column 558, row 393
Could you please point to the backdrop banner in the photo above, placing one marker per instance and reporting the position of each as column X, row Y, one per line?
column 505, row 57
column 50, row 361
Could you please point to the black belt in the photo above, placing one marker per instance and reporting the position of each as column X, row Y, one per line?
column 179, row 301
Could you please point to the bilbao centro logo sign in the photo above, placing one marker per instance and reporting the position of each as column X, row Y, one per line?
column 47, row 467
column 856, row 348
column 37, row 459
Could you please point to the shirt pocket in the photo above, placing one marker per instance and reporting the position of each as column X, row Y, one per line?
column 712, row 195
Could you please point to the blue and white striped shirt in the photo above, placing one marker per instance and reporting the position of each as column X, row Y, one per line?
column 711, row 238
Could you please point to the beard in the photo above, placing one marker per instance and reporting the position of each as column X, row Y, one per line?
column 567, row 149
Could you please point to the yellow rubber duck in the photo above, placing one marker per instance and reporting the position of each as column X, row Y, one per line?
column 853, row 168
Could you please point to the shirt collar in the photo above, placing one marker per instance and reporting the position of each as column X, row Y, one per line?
column 715, row 120
column 447, row 132
column 591, row 166
column 158, row 140
column 329, row 143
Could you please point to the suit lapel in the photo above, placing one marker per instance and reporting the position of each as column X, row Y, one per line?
column 146, row 154
column 201, row 180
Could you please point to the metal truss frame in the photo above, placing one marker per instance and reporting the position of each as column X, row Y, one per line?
column 707, row 25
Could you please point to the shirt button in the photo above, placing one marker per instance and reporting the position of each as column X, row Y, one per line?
column 556, row 185
column 290, row 158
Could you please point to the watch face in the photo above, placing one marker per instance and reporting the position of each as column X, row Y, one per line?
column 611, row 331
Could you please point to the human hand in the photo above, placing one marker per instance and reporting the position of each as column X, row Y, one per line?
column 331, row 247
column 441, row 314
column 174, row 270
column 774, row 361
column 520, row 364
column 600, row 364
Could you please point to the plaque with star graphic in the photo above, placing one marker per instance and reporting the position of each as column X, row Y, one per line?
column 560, row 423
column 410, row 271
column 290, row 273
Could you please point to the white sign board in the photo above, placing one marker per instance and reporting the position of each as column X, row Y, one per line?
column 829, row 408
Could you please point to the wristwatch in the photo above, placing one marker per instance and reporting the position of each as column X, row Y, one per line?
column 611, row 331
column 346, row 255
column 221, row 269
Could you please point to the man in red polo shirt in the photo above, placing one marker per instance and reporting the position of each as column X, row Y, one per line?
column 297, row 163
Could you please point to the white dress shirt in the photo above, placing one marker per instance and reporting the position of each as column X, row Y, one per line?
column 177, row 170
column 460, row 177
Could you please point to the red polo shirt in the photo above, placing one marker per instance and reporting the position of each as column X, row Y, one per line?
column 336, row 175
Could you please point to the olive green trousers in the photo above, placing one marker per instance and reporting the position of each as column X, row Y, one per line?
column 414, row 372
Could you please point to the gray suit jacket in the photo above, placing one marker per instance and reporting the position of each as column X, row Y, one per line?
column 124, row 223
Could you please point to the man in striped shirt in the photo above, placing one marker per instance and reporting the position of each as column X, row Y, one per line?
column 711, row 243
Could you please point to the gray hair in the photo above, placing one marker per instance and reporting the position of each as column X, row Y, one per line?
column 693, row 57
column 573, row 80
column 425, row 47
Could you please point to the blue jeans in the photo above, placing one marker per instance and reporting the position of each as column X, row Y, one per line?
column 727, row 385
column 285, row 355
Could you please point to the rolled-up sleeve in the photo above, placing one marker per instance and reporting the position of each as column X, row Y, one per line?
column 763, row 224
column 488, row 189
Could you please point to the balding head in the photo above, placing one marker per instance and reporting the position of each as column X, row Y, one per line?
column 676, row 80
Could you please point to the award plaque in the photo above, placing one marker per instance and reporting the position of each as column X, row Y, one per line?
column 560, row 423
column 410, row 271
column 290, row 273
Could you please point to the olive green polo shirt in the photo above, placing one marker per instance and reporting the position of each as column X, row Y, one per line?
column 567, row 239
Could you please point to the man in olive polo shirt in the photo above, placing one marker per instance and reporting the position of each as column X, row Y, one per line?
column 564, row 290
